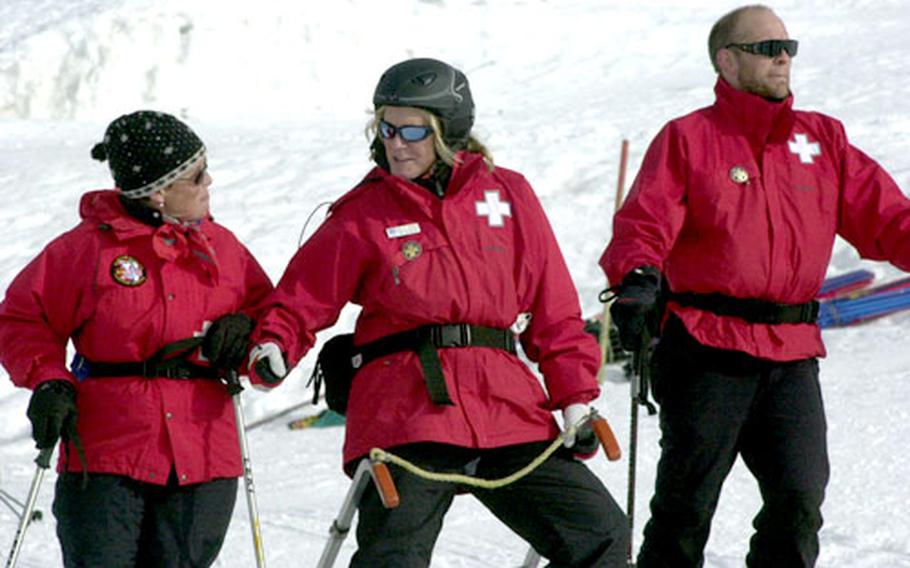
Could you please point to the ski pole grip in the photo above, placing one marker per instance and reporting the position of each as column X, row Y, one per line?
column 44, row 457
column 385, row 485
column 232, row 382
column 605, row 434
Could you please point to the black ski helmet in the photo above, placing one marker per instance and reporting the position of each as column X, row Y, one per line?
column 434, row 86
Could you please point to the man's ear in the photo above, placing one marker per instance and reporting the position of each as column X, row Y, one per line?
column 727, row 65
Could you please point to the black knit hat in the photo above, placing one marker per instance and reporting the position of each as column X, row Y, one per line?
column 147, row 150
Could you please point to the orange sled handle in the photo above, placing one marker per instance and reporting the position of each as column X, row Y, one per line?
column 385, row 485
column 605, row 434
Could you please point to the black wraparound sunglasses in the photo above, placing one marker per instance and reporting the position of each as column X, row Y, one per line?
column 768, row 48
column 407, row 132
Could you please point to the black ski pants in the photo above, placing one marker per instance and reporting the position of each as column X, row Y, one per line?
column 561, row 508
column 118, row 522
column 716, row 405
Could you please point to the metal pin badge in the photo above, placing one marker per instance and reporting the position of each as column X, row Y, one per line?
column 411, row 250
column 739, row 174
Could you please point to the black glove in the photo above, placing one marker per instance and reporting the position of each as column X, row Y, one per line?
column 586, row 441
column 52, row 412
column 635, row 309
column 225, row 342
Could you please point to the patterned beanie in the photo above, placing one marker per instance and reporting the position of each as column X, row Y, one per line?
column 147, row 151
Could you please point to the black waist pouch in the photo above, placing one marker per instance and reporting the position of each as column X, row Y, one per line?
column 335, row 369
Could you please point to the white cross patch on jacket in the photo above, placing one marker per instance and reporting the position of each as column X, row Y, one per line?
column 806, row 150
column 494, row 209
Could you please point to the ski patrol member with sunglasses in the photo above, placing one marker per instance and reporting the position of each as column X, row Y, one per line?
column 453, row 261
column 150, row 459
column 732, row 219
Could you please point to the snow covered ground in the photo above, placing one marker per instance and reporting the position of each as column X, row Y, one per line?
column 279, row 91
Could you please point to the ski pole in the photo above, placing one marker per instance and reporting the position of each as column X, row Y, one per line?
column 43, row 462
column 17, row 506
column 606, row 352
column 638, row 390
column 266, row 419
column 388, row 494
column 633, row 454
column 234, row 388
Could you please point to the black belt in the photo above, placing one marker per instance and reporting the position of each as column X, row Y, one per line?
column 749, row 309
column 169, row 369
column 167, row 363
column 425, row 340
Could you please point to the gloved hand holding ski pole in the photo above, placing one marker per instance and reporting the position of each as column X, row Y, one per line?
column 225, row 341
column 52, row 412
column 636, row 308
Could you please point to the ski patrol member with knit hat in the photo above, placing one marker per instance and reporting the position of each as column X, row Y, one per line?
column 445, row 252
column 150, row 456
column 736, row 207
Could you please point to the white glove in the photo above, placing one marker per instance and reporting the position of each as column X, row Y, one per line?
column 269, row 353
column 572, row 415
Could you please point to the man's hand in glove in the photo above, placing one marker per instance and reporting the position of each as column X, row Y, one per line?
column 635, row 308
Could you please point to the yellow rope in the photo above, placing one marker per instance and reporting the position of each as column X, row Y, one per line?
column 378, row 454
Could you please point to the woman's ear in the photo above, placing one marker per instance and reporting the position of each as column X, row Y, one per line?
column 157, row 199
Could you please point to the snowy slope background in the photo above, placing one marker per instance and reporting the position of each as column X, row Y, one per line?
column 279, row 90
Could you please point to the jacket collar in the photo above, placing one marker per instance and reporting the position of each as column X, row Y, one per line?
column 170, row 241
column 104, row 209
column 466, row 164
column 760, row 120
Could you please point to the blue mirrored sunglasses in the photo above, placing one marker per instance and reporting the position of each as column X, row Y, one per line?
column 768, row 48
column 408, row 132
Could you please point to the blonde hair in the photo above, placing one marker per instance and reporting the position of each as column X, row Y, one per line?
column 443, row 151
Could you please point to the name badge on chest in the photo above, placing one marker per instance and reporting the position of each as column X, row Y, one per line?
column 402, row 230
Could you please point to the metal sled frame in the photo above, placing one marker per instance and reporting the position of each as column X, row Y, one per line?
column 379, row 472
column 380, row 475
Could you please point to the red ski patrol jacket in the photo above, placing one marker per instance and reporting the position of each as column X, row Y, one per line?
column 482, row 255
column 121, row 290
column 744, row 198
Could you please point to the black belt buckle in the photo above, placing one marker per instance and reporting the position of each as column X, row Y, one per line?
column 172, row 371
column 509, row 342
column 810, row 312
column 451, row 335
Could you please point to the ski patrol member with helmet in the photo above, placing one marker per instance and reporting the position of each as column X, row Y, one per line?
column 736, row 208
column 150, row 459
column 445, row 253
